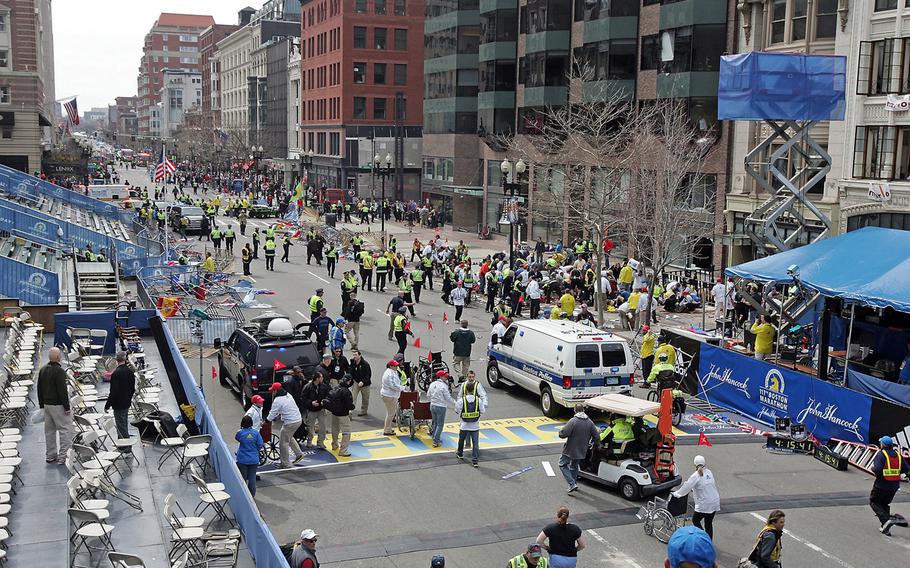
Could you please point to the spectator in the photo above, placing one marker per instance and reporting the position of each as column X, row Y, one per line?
column 390, row 392
column 766, row 553
column 707, row 499
column 312, row 396
column 462, row 339
column 690, row 547
column 120, row 398
column 255, row 411
column 363, row 378
column 340, row 403
column 304, row 554
column 440, row 400
column 472, row 402
column 579, row 432
column 458, row 296
column 248, row 452
column 54, row 398
column 566, row 540
column 763, row 329
column 285, row 409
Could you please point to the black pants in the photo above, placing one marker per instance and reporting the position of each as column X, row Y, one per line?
column 284, row 257
column 646, row 364
column 216, row 243
column 330, row 266
column 880, row 501
column 380, row 280
column 491, row 300
column 246, row 269
column 229, row 244
column 310, row 254
column 402, row 338
column 255, row 249
column 417, row 287
column 428, row 276
column 270, row 261
column 697, row 518
column 409, row 300
column 458, row 310
column 366, row 278
column 535, row 308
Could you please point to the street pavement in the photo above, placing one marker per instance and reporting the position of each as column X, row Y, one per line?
column 400, row 511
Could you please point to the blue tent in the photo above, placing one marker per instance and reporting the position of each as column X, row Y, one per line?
column 870, row 266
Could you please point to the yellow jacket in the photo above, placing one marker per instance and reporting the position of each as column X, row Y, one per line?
column 208, row 264
column 626, row 274
column 647, row 345
column 764, row 337
column 634, row 297
column 567, row 301
column 669, row 350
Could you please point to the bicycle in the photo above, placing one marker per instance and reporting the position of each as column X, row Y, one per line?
column 660, row 517
column 679, row 400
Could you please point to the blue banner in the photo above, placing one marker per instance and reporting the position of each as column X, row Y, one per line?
column 30, row 284
column 763, row 392
column 29, row 226
column 24, row 185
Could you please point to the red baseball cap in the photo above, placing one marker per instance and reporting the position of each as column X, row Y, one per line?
column 258, row 399
column 392, row 363
column 275, row 387
column 646, row 328
column 441, row 373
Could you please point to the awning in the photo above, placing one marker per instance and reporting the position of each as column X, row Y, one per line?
column 43, row 121
column 870, row 266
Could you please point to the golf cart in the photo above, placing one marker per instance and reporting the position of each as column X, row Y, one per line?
column 640, row 467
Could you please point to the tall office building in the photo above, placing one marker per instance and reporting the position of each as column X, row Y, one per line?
column 171, row 43
column 361, row 93
column 493, row 66
column 211, row 73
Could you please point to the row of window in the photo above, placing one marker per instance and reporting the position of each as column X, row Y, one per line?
column 380, row 73
column 451, row 41
column 791, row 20
column 690, row 48
column 322, row 109
column 317, row 143
column 883, row 67
column 882, row 152
column 882, row 5
column 380, row 7
column 498, row 25
column 450, row 123
column 610, row 60
column 185, row 38
column 320, row 12
column 324, row 76
column 382, row 108
column 380, row 38
column 546, row 15
column 322, row 43
column 454, row 83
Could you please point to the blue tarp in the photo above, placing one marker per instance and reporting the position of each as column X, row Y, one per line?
column 870, row 266
column 873, row 386
column 781, row 86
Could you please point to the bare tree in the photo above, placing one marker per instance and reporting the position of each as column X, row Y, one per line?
column 663, row 216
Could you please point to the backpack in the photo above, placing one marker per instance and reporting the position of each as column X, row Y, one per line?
column 335, row 403
column 356, row 311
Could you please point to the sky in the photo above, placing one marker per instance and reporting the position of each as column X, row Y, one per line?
column 98, row 43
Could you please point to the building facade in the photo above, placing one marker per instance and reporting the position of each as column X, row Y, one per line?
column 362, row 93
column 492, row 67
column 209, row 66
column 181, row 91
column 293, row 115
column 27, row 108
column 122, row 125
column 171, row 43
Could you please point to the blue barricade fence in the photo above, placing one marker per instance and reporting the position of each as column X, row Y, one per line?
column 259, row 539
column 764, row 392
column 99, row 320
column 30, row 227
column 20, row 182
column 30, row 284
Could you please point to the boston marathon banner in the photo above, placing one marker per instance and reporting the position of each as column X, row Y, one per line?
column 763, row 392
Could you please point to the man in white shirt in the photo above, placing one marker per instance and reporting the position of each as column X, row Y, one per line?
column 458, row 296
column 390, row 392
column 533, row 292
column 499, row 329
column 284, row 408
column 471, row 405
column 440, row 400
column 721, row 294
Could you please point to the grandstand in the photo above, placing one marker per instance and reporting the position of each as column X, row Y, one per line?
column 33, row 254
column 82, row 217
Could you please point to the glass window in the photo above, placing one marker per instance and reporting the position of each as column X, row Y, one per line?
column 825, row 18
column 428, row 168
column 360, row 37
column 708, row 44
column 400, row 7
column 587, row 356
column 4, row 96
column 4, row 58
column 881, row 5
column 778, row 20
column 2, row 22
column 360, row 107
column 614, row 355
column 401, row 74
column 360, row 72
column 379, row 73
column 650, row 52
column 360, row 6
column 622, row 59
column 379, row 6
column 379, row 35
column 379, row 108
column 401, row 39
column 799, row 10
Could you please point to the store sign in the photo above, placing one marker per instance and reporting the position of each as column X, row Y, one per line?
column 897, row 103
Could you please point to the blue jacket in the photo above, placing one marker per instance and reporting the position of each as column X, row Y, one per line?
column 336, row 338
column 250, row 444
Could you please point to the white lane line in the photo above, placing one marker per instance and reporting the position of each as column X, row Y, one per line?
column 380, row 311
column 319, row 277
column 613, row 551
column 548, row 468
column 300, row 314
column 809, row 545
column 250, row 278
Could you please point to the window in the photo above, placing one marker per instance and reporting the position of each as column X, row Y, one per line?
column 164, row 38
column 799, row 10
column 360, row 37
column 509, row 336
column 379, row 73
column 4, row 58
column 400, row 7
column 882, row 152
column 778, row 20
column 360, row 107
column 4, row 96
column 587, row 356
column 379, row 7
column 401, row 40
column 613, row 354
column 622, row 59
column 360, row 72
column 401, row 74
column 189, row 38
column 379, row 36
column 188, row 48
column 379, row 108
column 825, row 18
column 650, row 52
column 881, row 5
column 878, row 70
column 2, row 22
column 360, row 6
column 334, row 144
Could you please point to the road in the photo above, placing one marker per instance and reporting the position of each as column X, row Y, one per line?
column 399, row 512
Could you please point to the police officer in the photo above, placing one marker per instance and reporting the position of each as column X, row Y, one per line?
column 229, row 239
column 331, row 258
column 242, row 218
column 888, row 466
column 533, row 558
column 427, row 263
column 383, row 266
column 256, row 237
column 663, row 372
column 246, row 255
column 315, row 303
column 405, row 285
column 286, row 244
column 492, row 284
column 216, row 237
column 269, row 248
column 348, row 286
column 356, row 243
column 366, row 269
column 417, row 282
column 619, row 431
column 393, row 243
column 402, row 329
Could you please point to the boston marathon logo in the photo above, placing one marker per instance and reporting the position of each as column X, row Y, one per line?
column 725, row 376
column 829, row 414
column 772, row 396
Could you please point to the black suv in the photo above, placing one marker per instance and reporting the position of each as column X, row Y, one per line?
column 246, row 362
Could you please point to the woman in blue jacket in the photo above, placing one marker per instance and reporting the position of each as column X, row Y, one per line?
column 248, row 452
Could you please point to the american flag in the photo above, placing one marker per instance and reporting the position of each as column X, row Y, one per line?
column 72, row 111
column 164, row 167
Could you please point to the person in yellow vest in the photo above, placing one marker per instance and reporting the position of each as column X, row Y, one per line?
column 567, row 303
column 356, row 243
column 269, row 248
column 634, row 300
column 402, row 329
column 216, row 237
column 405, row 285
column 315, row 303
column 246, row 257
column 208, row 265
column 229, row 237
column 286, row 245
column 393, row 243
column 766, row 552
column 416, row 277
column 270, row 232
column 763, row 330
column 618, row 432
column 888, row 466
column 647, row 351
column 366, row 269
column 626, row 277
column 665, row 348
column 532, row 558
column 556, row 312
column 383, row 267
column 331, row 258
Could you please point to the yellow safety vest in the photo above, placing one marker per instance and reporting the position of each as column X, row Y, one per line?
column 890, row 473
column 314, row 302
column 403, row 378
column 470, row 411
column 521, row 562
column 399, row 322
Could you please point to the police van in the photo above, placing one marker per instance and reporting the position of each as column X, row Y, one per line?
column 561, row 361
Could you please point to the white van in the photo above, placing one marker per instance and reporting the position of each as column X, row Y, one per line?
column 562, row 361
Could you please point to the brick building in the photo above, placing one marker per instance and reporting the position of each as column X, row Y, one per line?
column 358, row 57
column 211, row 70
column 27, row 106
column 171, row 43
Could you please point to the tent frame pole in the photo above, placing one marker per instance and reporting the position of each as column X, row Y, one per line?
column 849, row 340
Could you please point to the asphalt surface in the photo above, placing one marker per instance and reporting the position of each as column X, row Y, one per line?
column 401, row 512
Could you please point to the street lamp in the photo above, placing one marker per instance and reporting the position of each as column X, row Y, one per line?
column 256, row 155
column 306, row 162
column 383, row 170
column 511, row 184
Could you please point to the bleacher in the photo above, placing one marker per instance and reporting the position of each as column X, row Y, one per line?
column 82, row 217
column 30, row 253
